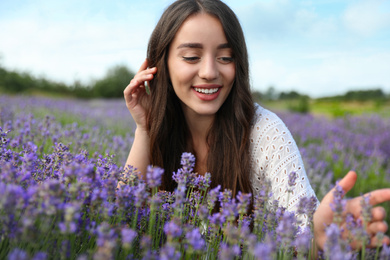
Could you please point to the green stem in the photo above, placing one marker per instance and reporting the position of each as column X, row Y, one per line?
column 135, row 220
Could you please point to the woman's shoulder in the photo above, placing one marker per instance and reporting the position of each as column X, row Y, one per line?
column 264, row 117
column 268, row 128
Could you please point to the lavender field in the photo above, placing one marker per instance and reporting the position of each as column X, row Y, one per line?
column 61, row 159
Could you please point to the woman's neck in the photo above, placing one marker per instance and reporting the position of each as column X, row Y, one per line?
column 199, row 127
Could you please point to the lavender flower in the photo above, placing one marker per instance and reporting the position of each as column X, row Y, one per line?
column 188, row 162
column 195, row 240
column 335, row 247
column 217, row 219
column 243, row 202
column 40, row 256
column 172, row 229
column 292, row 177
column 225, row 197
column 168, row 252
column 18, row 254
column 212, row 196
column 307, row 206
column 287, row 229
column 338, row 204
column 263, row 251
column 385, row 253
column 366, row 208
column 140, row 194
column 153, row 176
column 303, row 240
column 229, row 252
column 128, row 235
column 359, row 232
column 203, row 182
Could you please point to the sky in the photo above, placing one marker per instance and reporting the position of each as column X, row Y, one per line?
column 318, row 47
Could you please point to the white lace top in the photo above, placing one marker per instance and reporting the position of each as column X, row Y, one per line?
column 274, row 155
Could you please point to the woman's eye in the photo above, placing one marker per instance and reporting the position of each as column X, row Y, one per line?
column 191, row 59
column 226, row 59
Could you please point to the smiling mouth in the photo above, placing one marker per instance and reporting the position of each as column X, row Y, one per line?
column 207, row 90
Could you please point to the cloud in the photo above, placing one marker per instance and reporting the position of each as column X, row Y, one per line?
column 282, row 19
column 367, row 17
column 335, row 73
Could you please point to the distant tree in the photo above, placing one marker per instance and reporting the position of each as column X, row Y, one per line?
column 271, row 93
column 257, row 95
column 289, row 95
column 113, row 84
column 364, row 95
column 12, row 81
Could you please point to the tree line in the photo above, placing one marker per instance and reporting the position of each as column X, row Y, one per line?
column 110, row 86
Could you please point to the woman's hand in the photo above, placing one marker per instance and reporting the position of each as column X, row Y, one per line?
column 324, row 214
column 137, row 99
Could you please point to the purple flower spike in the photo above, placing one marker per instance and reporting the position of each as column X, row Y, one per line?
column 338, row 205
column 385, row 254
column 169, row 252
column 225, row 197
column 153, row 176
column 243, row 202
column 195, row 240
column 40, row 256
column 292, row 177
column 335, row 247
column 203, row 182
column 187, row 162
column 212, row 196
column 18, row 254
column 229, row 252
column 303, row 241
column 287, row 228
column 128, row 235
column 141, row 194
column 366, row 208
column 172, row 229
column 263, row 251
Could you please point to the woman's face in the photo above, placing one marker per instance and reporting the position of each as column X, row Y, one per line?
column 201, row 65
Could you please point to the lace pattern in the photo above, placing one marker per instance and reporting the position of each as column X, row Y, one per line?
column 274, row 155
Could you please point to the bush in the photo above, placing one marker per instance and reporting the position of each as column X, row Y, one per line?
column 113, row 84
column 301, row 105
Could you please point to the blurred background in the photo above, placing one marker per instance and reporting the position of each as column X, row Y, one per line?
column 298, row 48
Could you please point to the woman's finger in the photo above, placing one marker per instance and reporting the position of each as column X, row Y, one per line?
column 139, row 81
column 131, row 88
column 375, row 242
column 378, row 196
column 378, row 214
column 375, row 227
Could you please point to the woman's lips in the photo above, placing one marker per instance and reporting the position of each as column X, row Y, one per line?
column 207, row 92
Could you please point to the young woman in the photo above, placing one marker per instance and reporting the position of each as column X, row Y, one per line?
column 200, row 102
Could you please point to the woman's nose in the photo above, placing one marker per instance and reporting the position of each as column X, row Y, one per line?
column 208, row 69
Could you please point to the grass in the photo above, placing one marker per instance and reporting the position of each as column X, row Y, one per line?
column 334, row 108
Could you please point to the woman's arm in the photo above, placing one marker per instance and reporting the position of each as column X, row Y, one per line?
column 139, row 153
column 138, row 101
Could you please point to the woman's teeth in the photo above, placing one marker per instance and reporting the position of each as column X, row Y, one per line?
column 206, row 90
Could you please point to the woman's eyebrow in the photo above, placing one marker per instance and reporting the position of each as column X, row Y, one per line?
column 190, row 45
column 200, row 46
column 223, row 46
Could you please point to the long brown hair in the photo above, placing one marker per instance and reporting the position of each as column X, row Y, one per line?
column 228, row 139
